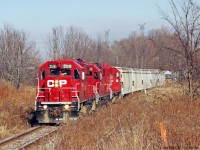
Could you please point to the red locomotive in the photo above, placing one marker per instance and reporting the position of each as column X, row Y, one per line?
column 66, row 87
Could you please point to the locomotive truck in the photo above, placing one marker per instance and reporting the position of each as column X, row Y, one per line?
column 67, row 87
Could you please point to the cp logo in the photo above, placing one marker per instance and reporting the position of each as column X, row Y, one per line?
column 56, row 83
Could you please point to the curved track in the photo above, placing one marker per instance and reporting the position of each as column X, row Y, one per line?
column 27, row 138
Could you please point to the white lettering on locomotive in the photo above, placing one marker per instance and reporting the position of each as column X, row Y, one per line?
column 62, row 82
column 51, row 83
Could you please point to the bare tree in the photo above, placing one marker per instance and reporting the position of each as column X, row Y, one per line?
column 77, row 43
column 17, row 55
column 185, row 20
column 55, row 42
column 69, row 42
column 165, row 59
column 99, row 47
column 136, row 51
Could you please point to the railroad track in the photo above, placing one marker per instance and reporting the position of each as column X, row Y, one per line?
column 27, row 138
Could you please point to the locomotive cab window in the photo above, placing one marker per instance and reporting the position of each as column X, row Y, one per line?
column 54, row 72
column 43, row 74
column 96, row 75
column 66, row 72
column 76, row 74
column 90, row 73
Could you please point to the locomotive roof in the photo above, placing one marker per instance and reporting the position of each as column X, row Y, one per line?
column 64, row 61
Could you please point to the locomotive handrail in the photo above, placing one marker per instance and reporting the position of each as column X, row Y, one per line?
column 97, row 83
column 39, row 90
column 76, row 93
column 107, row 86
column 43, row 88
column 94, row 89
column 70, row 88
column 76, row 86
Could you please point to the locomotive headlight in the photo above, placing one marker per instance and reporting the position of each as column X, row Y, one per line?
column 44, row 106
column 66, row 106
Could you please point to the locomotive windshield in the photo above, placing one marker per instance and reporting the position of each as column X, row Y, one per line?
column 65, row 72
column 62, row 72
column 54, row 72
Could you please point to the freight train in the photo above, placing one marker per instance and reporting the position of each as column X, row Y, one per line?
column 67, row 87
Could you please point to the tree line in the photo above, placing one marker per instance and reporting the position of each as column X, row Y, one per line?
column 18, row 56
column 175, row 47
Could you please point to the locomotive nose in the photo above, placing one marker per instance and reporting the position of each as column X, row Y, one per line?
column 58, row 89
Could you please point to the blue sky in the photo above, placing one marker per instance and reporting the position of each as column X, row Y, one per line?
column 37, row 17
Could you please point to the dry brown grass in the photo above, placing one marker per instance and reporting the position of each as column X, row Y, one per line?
column 14, row 105
column 130, row 123
column 133, row 123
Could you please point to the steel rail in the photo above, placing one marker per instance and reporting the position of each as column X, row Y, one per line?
column 18, row 135
column 27, row 138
